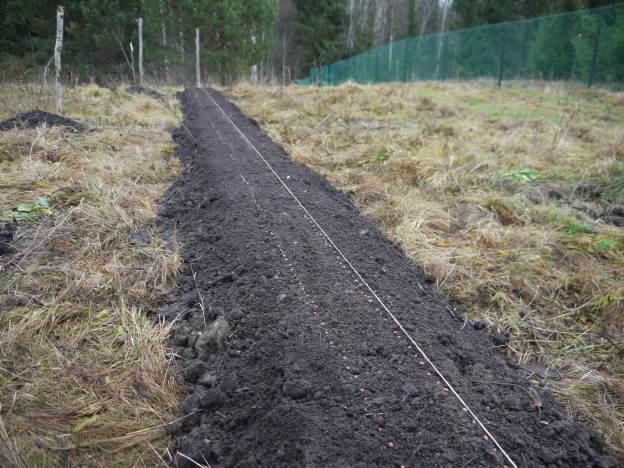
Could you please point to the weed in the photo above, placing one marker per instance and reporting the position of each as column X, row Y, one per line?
column 605, row 245
column 524, row 176
column 573, row 228
column 382, row 155
column 27, row 211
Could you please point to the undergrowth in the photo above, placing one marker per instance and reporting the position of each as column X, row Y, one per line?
column 84, row 375
column 510, row 199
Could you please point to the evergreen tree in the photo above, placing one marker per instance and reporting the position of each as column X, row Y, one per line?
column 319, row 30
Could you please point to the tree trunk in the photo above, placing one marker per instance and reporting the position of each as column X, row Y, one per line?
column 163, row 27
column 60, row 12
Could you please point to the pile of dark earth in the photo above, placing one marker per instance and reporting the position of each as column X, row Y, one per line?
column 36, row 118
column 146, row 91
column 289, row 359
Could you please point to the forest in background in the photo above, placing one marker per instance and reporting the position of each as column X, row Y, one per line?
column 269, row 40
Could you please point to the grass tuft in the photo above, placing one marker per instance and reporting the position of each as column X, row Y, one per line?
column 84, row 375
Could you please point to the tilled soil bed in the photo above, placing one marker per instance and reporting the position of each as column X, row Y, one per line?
column 290, row 359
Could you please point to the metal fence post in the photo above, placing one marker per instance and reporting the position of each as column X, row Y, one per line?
column 501, row 65
column 444, row 58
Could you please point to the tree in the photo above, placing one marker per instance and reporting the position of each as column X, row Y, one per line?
column 27, row 29
column 478, row 12
column 319, row 29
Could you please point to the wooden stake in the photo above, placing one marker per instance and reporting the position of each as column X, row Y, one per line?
column 197, row 73
column 132, row 63
column 60, row 13
column 140, row 51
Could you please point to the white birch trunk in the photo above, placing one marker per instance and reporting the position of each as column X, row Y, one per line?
column 254, row 68
column 197, row 74
column 140, row 51
column 60, row 13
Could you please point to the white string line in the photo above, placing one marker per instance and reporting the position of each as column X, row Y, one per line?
column 357, row 273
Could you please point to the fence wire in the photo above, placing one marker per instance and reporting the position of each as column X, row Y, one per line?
column 584, row 46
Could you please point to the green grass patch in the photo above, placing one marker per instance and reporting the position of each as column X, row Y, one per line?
column 550, row 215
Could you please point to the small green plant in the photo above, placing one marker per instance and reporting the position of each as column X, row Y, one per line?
column 27, row 211
column 523, row 176
column 382, row 155
column 605, row 245
column 573, row 228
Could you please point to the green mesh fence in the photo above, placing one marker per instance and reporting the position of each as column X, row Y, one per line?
column 585, row 46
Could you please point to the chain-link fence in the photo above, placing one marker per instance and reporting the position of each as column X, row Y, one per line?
column 585, row 46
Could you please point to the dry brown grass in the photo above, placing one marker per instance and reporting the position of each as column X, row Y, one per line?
column 84, row 375
column 500, row 195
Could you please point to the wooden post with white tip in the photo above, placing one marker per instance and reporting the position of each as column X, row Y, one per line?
column 60, row 14
column 140, row 21
column 197, row 68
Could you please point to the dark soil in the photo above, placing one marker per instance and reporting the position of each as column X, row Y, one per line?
column 290, row 362
column 35, row 118
column 146, row 91
column 7, row 235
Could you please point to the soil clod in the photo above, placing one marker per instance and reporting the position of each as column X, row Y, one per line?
column 212, row 338
column 297, row 388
